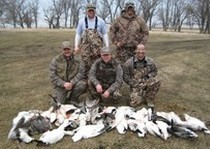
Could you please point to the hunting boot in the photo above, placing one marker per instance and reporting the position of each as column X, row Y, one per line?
column 116, row 96
column 151, row 91
column 150, row 103
column 150, row 96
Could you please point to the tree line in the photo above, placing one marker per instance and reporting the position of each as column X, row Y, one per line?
column 169, row 14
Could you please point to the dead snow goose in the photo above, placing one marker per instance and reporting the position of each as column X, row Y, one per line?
column 164, row 129
column 153, row 129
column 23, row 136
column 88, row 131
column 28, row 121
column 55, row 135
column 170, row 116
column 195, row 124
column 117, row 119
column 137, row 126
column 180, row 131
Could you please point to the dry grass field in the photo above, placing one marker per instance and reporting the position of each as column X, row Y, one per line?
column 184, row 68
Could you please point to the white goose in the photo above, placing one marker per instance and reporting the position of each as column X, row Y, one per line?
column 88, row 131
column 49, row 114
column 23, row 136
column 140, row 114
column 55, row 135
column 153, row 129
column 195, row 124
column 122, row 125
column 17, row 132
column 170, row 116
column 164, row 129
column 137, row 126
column 118, row 119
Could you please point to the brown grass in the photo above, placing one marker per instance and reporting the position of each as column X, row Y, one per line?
column 183, row 61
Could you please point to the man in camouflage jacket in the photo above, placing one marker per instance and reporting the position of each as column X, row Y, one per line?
column 140, row 74
column 105, row 77
column 127, row 31
column 67, row 74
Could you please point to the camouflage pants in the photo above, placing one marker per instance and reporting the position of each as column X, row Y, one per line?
column 89, row 55
column 146, row 93
column 106, row 101
column 64, row 97
column 124, row 53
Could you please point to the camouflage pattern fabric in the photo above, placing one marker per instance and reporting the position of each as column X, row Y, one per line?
column 61, row 71
column 129, row 31
column 140, row 75
column 124, row 53
column 109, row 75
column 66, row 97
column 144, row 92
column 90, row 48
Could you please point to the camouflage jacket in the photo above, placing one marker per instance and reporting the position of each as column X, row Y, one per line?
column 109, row 75
column 130, row 31
column 135, row 70
column 62, row 70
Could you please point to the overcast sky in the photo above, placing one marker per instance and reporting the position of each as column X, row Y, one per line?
column 43, row 4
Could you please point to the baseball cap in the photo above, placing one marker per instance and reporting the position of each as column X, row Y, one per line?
column 106, row 50
column 66, row 45
column 90, row 7
column 129, row 4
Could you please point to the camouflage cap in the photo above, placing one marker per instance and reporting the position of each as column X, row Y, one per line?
column 90, row 7
column 129, row 4
column 106, row 50
column 66, row 45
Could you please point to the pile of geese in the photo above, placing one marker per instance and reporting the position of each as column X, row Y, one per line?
column 91, row 120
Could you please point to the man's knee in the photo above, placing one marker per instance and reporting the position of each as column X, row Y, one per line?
column 137, row 97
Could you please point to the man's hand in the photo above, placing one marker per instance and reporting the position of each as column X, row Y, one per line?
column 119, row 44
column 68, row 86
column 76, row 50
column 99, row 88
column 106, row 94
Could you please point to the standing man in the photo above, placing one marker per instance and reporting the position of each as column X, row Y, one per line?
column 127, row 31
column 140, row 74
column 67, row 74
column 105, row 77
column 91, row 35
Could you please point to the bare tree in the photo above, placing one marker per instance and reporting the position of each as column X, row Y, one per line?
column 21, row 11
column 165, row 13
column 58, row 9
column 180, row 10
column 11, row 12
column 148, row 8
column 200, row 10
column 109, row 10
column 2, row 7
column 2, row 11
column 74, row 15
column 28, row 18
column 106, row 9
column 66, row 7
column 34, row 6
column 207, row 29
column 49, row 15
